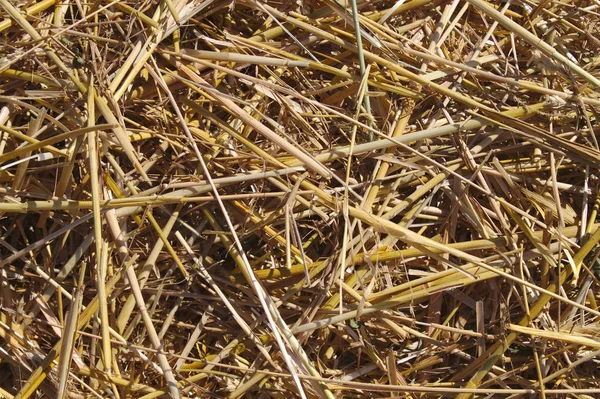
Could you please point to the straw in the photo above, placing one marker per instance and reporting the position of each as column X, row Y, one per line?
column 332, row 199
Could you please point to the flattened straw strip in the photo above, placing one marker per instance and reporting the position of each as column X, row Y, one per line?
column 133, row 55
column 393, row 11
column 24, row 137
column 195, row 55
column 148, row 48
column 243, row 388
column 67, row 341
column 32, row 77
column 390, row 11
column 101, row 246
column 19, row 177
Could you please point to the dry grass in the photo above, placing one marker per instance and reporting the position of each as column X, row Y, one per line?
column 299, row 199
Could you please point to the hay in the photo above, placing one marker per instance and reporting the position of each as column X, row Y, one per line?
column 308, row 199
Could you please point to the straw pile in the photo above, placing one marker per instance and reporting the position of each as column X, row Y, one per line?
column 299, row 199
